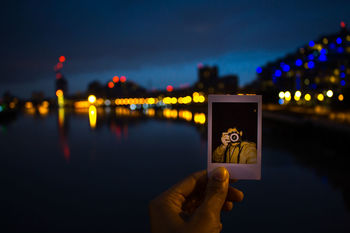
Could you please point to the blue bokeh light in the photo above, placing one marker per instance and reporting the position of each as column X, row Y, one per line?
column 342, row 75
column 332, row 46
column 258, row 70
column 286, row 68
column 339, row 40
column 340, row 50
column 313, row 86
column 342, row 67
column 298, row 62
column 281, row 101
column 311, row 57
column 342, row 82
column 311, row 64
column 311, row 43
column 278, row 73
column 322, row 57
column 323, row 51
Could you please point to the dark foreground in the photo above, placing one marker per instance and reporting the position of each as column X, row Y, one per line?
column 71, row 178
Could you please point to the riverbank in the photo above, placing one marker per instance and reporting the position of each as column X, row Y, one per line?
column 318, row 117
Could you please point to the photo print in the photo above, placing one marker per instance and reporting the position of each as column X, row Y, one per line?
column 234, row 135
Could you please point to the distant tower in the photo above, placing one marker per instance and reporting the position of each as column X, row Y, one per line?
column 207, row 77
column 61, row 82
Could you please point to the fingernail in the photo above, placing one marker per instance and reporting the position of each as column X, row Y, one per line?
column 220, row 174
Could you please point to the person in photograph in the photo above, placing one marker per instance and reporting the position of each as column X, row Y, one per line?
column 234, row 150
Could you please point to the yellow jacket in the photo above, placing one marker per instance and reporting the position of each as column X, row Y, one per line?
column 243, row 153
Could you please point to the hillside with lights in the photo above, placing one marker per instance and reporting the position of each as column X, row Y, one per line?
column 317, row 74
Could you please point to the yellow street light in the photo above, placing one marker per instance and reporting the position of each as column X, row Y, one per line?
column 92, row 99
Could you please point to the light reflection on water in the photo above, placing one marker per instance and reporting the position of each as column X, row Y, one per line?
column 94, row 170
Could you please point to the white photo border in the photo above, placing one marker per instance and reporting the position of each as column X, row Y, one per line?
column 237, row 171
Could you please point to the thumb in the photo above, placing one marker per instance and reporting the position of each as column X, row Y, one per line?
column 216, row 192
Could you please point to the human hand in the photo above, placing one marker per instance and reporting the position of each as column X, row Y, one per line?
column 194, row 205
column 225, row 139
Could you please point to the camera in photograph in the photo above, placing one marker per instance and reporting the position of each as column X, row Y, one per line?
column 234, row 137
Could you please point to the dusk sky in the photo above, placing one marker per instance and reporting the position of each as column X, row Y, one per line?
column 153, row 43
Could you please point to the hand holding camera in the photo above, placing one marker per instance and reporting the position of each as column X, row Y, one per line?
column 225, row 139
column 231, row 136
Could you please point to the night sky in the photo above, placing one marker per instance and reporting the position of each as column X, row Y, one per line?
column 154, row 43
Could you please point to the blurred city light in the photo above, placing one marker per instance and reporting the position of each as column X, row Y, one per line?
column 92, row 99
column 320, row 97
column 307, row 97
column 115, row 79
column 110, row 84
column 62, row 59
column 298, row 62
column 340, row 97
column 59, row 93
column 169, row 88
column 122, row 79
column 199, row 118
column 329, row 93
column 281, row 94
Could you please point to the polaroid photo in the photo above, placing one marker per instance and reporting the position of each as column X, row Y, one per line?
column 234, row 135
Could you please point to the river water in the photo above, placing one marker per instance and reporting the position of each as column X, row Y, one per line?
column 64, row 172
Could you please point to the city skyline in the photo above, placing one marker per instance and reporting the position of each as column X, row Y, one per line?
column 131, row 40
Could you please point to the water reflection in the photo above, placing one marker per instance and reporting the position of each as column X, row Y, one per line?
column 63, row 134
column 92, row 116
column 322, row 150
column 90, row 178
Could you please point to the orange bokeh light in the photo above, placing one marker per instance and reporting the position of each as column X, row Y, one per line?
column 62, row 58
column 110, row 84
column 169, row 88
column 115, row 79
column 59, row 93
column 122, row 79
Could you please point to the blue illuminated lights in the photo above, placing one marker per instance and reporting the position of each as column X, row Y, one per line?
column 342, row 82
column 258, row 70
column 342, row 75
column 322, row 57
column 342, row 67
column 311, row 43
column 313, row 86
column 323, row 51
column 339, row 40
column 278, row 73
column 332, row 46
column 340, row 50
column 311, row 57
column 286, row 68
column 281, row 101
column 298, row 62
column 311, row 64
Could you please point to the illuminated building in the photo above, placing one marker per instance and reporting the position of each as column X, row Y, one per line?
column 319, row 69
column 209, row 82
